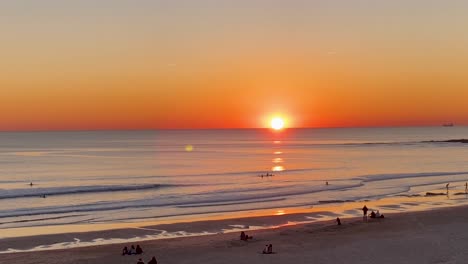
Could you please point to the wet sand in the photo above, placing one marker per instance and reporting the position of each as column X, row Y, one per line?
column 437, row 236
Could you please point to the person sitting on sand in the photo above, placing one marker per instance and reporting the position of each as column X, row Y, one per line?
column 265, row 250
column 125, row 251
column 338, row 221
column 377, row 214
column 138, row 250
column 382, row 216
column 270, row 249
column 132, row 251
column 153, row 261
column 140, row 261
column 372, row 214
column 245, row 237
column 242, row 236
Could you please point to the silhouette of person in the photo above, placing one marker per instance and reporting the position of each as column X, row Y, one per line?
column 265, row 250
column 138, row 250
column 125, row 251
column 153, row 261
column 364, row 210
column 338, row 221
column 243, row 236
column 132, row 250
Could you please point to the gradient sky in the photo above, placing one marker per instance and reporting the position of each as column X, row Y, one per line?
column 113, row 64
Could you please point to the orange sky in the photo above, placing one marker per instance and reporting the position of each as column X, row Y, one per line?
column 223, row 64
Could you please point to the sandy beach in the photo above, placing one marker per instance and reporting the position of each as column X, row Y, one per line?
column 436, row 236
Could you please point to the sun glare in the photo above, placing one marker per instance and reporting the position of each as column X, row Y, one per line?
column 277, row 123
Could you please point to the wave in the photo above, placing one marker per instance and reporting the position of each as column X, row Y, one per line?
column 233, row 173
column 394, row 176
column 37, row 192
column 154, row 203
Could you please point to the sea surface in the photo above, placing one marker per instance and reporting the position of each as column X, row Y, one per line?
column 107, row 177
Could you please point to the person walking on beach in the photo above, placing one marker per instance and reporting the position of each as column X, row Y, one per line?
column 466, row 187
column 364, row 210
column 447, row 186
column 338, row 221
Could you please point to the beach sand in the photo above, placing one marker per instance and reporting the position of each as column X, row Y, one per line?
column 437, row 236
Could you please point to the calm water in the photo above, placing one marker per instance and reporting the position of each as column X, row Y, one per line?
column 123, row 176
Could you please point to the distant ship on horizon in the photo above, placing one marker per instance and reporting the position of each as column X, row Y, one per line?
column 447, row 124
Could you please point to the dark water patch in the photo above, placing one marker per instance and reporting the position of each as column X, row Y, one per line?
column 464, row 141
column 409, row 195
column 434, row 194
column 334, row 201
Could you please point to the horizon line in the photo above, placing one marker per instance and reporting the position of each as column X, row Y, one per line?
column 220, row 128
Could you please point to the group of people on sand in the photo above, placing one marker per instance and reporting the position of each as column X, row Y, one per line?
column 132, row 250
column 152, row 261
column 268, row 248
column 245, row 237
column 372, row 214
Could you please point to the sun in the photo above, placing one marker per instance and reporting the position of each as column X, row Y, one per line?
column 277, row 123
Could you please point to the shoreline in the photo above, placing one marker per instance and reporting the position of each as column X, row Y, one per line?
column 164, row 230
column 436, row 232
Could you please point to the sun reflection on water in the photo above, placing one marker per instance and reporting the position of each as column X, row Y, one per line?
column 277, row 168
column 277, row 160
column 280, row 212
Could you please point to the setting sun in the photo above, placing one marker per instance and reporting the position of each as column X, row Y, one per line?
column 277, row 123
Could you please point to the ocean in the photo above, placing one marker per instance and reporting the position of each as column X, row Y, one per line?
column 109, row 177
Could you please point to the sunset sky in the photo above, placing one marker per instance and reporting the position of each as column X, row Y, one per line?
column 113, row 64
